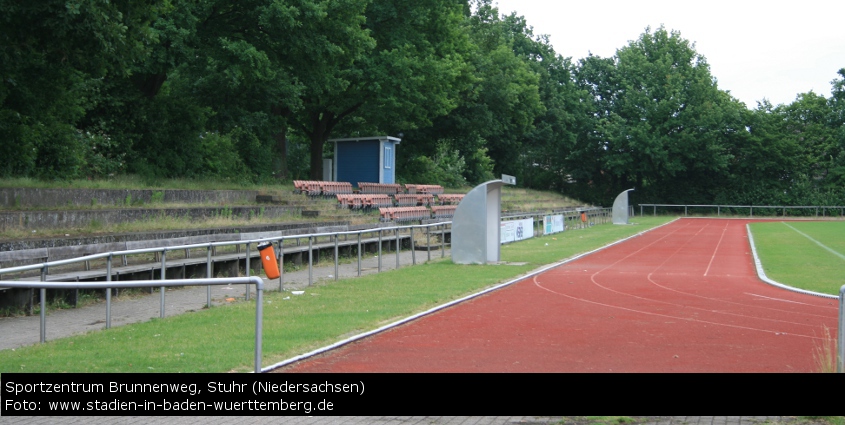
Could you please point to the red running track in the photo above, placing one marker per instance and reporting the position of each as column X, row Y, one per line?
column 682, row 298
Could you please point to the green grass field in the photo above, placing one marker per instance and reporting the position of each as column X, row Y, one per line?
column 803, row 254
column 220, row 339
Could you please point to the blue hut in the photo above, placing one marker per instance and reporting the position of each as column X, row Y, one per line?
column 365, row 159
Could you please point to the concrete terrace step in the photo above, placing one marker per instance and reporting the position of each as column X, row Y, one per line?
column 68, row 219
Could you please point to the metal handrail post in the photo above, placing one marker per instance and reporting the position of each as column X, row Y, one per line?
column 379, row 250
column 443, row 241
column 310, row 261
column 247, row 269
column 413, row 249
column 281, row 264
column 259, row 322
column 43, row 313
column 108, row 292
column 359, row 254
column 428, row 241
column 209, row 270
column 163, row 277
column 396, row 233
column 840, row 366
column 336, row 258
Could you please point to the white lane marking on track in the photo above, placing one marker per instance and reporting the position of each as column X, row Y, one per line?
column 593, row 280
column 786, row 301
column 713, row 257
column 650, row 279
column 815, row 241
column 688, row 319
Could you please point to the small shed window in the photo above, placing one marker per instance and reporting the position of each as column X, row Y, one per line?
column 388, row 157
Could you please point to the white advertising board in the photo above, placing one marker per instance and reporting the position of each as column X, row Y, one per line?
column 552, row 224
column 517, row 230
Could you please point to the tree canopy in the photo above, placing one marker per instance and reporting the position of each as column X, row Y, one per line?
column 251, row 90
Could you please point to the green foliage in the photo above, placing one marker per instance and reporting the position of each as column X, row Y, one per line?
column 157, row 197
column 479, row 166
column 103, row 156
column 249, row 92
column 446, row 168
column 220, row 158
column 664, row 126
column 298, row 158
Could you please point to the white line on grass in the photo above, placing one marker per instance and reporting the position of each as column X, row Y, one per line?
column 762, row 274
column 816, row 242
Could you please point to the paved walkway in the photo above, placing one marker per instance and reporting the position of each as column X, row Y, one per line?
column 409, row 420
column 25, row 330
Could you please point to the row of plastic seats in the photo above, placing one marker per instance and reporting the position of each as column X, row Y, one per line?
column 451, row 199
column 308, row 187
column 335, row 188
column 399, row 214
column 414, row 200
column 325, row 188
column 434, row 189
column 358, row 201
column 443, row 211
column 380, row 188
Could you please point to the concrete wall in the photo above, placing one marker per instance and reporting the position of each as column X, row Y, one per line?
column 70, row 219
column 58, row 198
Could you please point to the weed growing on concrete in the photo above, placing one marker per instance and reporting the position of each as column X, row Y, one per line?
column 157, row 197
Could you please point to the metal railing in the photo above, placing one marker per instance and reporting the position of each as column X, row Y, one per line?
column 254, row 280
column 393, row 234
column 279, row 245
column 331, row 240
column 783, row 208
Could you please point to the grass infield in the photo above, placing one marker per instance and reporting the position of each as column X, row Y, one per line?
column 806, row 255
column 220, row 339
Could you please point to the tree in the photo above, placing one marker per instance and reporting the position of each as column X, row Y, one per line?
column 764, row 163
column 837, row 120
column 662, row 125
column 52, row 56
column 554, row 128
column 261, row 57
column 497, row 106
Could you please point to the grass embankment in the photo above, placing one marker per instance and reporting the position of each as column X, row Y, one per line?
column 220, row 339
column 791, row 253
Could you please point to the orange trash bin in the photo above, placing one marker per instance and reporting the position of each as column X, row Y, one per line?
column 268, row 260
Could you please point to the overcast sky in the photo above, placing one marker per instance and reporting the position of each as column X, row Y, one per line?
column 756, row 49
